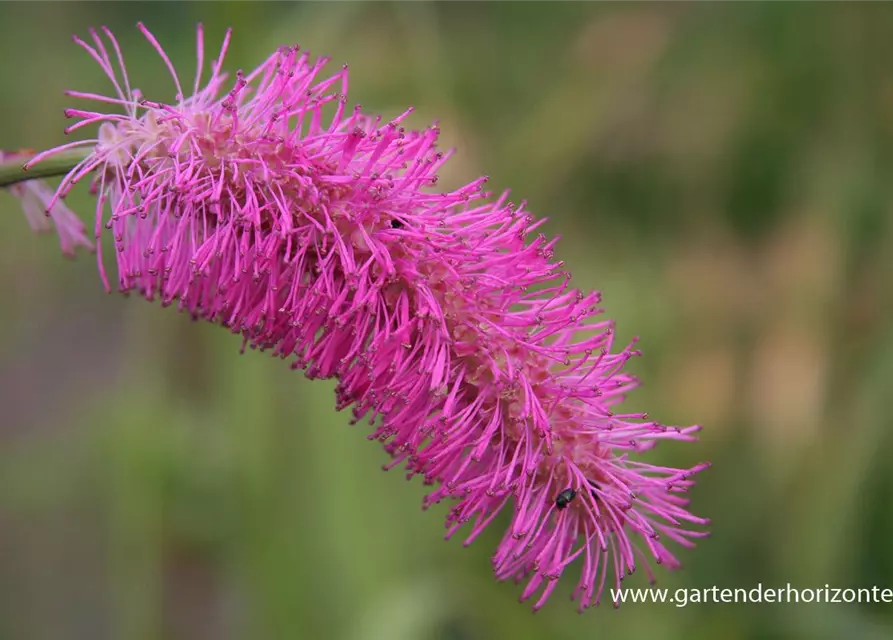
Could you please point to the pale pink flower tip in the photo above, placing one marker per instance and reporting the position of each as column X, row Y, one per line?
column 35, row 197
column 266, row 205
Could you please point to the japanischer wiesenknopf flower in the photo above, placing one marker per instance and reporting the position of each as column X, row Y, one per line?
column 321, row 238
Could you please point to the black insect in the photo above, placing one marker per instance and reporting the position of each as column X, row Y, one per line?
column 396, row 224
column 564, row 498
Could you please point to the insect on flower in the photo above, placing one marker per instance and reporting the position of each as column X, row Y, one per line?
column 564, row 498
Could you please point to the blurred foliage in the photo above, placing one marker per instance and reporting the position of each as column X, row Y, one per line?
column 720, row 172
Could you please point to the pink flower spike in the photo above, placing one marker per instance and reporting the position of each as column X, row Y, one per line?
column 271, row 207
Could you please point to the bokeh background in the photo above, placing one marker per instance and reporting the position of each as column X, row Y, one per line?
column 721, row 172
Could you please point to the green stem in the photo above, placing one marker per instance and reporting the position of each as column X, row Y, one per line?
column 12, row 170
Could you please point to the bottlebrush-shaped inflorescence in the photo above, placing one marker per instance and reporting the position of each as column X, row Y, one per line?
column 268, row 206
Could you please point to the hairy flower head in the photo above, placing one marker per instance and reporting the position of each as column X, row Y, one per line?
column 266, row 205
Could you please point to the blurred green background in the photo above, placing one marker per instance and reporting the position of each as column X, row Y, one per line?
column 720, row 172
